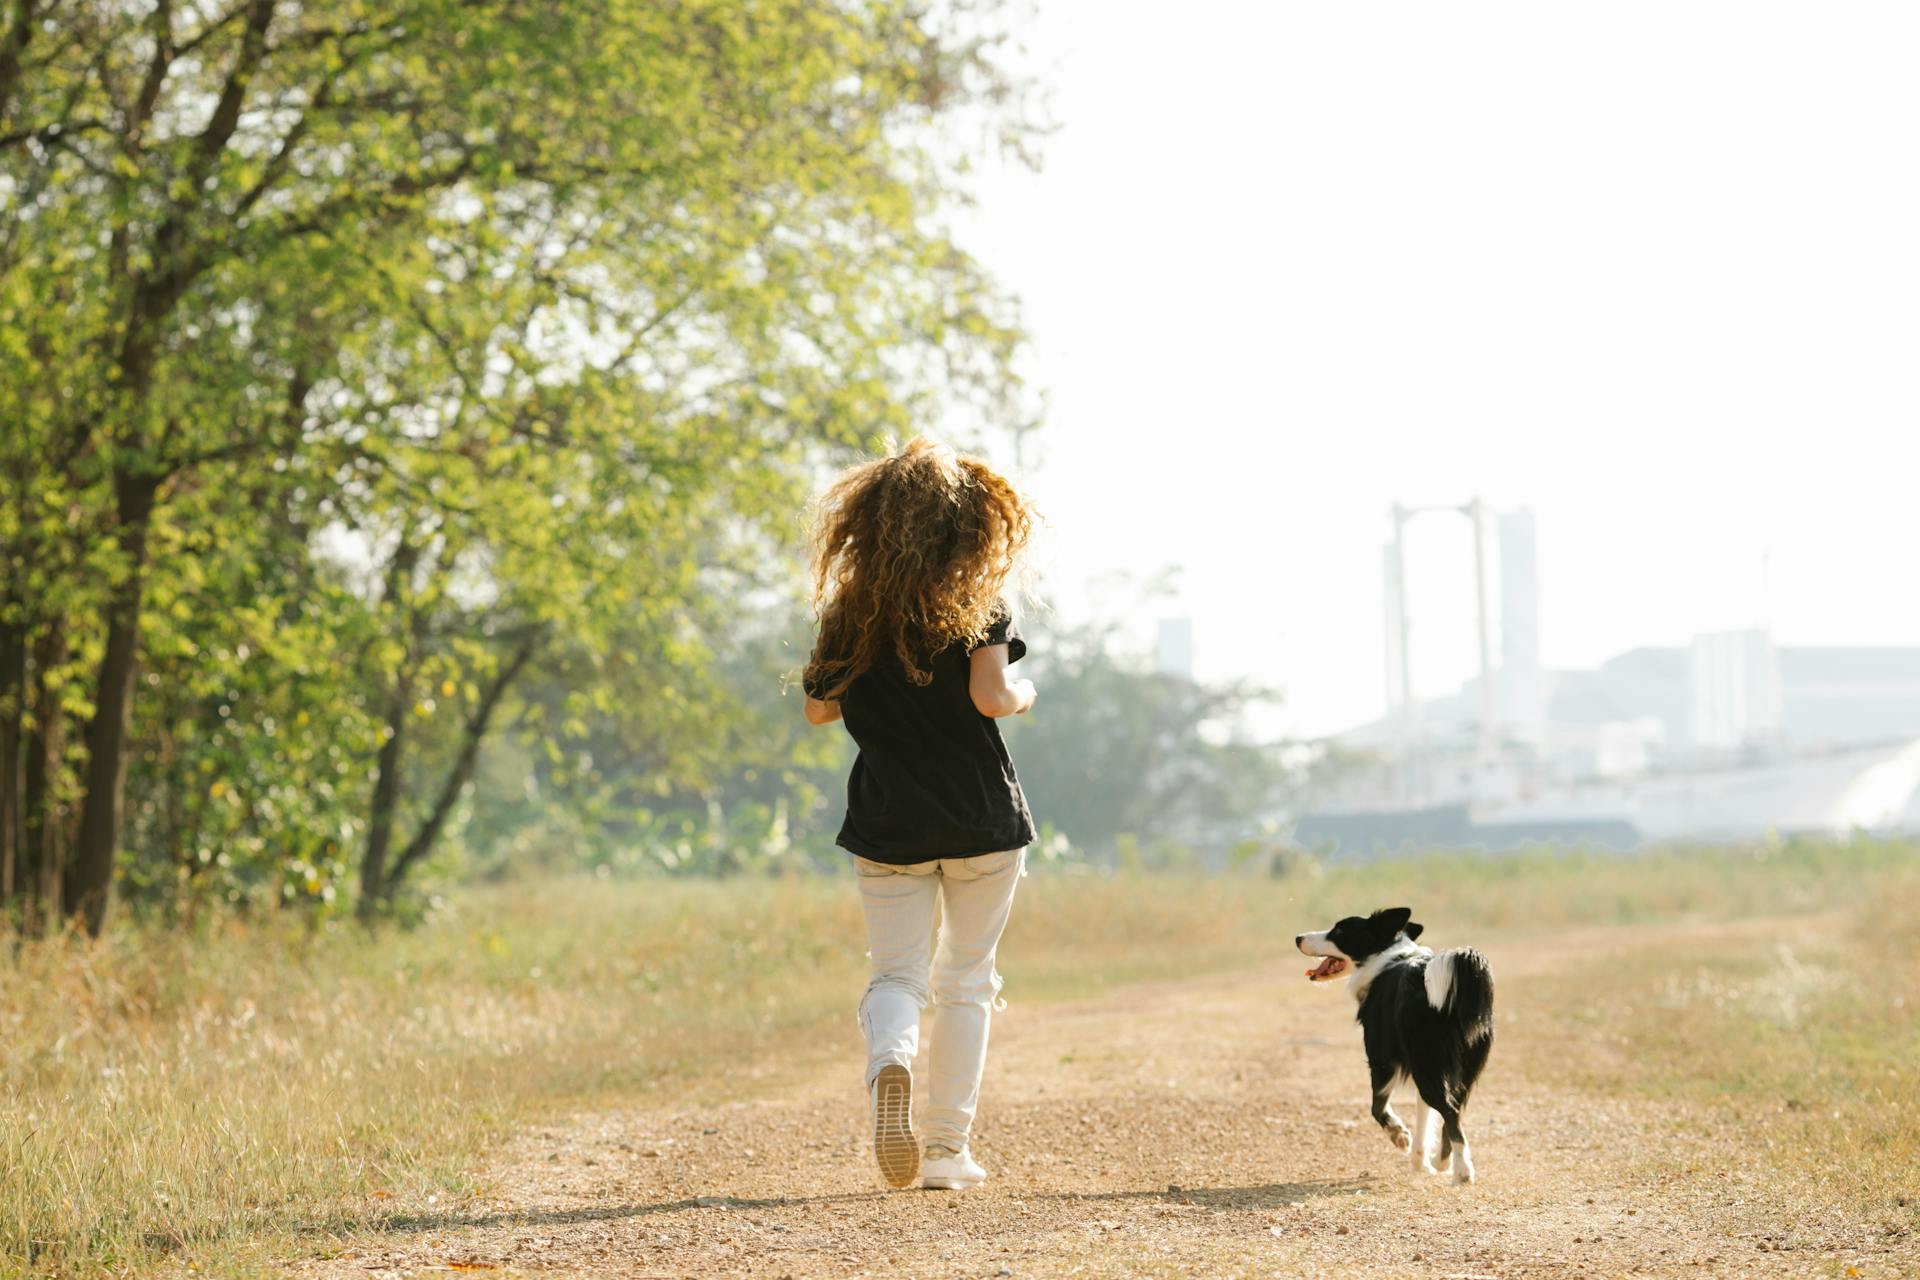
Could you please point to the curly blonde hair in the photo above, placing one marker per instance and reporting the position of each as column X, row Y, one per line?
column 910, row 554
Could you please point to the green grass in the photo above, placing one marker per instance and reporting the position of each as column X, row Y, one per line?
column 167, row 1095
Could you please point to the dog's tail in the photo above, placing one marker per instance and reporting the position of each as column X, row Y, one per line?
column 1460, row 989
column 1460, row 985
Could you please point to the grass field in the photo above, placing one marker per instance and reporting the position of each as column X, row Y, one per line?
column 188, row 1098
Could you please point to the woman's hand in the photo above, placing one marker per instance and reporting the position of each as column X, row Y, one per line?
column 1025, row 692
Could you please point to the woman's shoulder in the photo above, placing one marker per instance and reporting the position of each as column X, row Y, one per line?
column 1002, row 628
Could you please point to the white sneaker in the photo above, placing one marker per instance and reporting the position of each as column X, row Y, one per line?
column 894, row 1148
column 945, row 1169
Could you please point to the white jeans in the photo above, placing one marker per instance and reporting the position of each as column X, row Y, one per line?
column 975, row 895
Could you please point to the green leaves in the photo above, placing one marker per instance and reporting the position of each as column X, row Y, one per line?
column 453, row 331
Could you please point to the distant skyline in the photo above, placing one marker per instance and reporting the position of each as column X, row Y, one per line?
column 1648, row 269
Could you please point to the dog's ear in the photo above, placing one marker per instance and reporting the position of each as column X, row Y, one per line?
column 1394, row 918
column 1413, row 930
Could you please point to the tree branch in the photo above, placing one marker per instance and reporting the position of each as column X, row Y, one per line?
column 233, row 94
column 462, row 770
column 211, row 30
column 276, row 167
column 162, row 23
column 175, row 269
column 52, row 134
column 12, row 45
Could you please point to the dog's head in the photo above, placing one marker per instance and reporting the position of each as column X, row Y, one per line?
column 1355, row 940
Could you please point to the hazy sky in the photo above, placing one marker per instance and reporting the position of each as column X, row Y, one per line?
column 1650, row 269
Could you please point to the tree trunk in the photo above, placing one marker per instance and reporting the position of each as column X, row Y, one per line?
column 43, row 810
column 13, row 710
column 392, row 758
column 386, row 796
column 88, row 883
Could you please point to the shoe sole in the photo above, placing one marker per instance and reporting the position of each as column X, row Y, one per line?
column 950, row 1184
column 894, row 1147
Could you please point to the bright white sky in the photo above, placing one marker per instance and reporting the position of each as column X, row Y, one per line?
column 1652, row 269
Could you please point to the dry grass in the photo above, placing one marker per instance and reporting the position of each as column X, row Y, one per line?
column 1555, row 890
column 1797, row 1048
column 162, row 1092
column 252, row 1081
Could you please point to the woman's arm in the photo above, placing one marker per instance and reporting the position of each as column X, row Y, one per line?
column 820, row 711
column 992, row 692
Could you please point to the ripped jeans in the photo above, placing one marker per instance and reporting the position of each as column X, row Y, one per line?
column 975, row 896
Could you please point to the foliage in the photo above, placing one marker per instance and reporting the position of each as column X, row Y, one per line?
column 744, row 784
column 1139, row 768
column 364, row 360
column 249, row 779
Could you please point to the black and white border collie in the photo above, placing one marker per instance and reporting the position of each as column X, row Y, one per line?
column 1424, row 1015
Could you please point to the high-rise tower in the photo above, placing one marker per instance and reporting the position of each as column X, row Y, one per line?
column 1521, row 683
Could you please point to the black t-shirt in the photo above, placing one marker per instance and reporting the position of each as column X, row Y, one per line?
column 933, row 778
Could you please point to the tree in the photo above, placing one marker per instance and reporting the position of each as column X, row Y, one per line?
column 527, row 298
column 718, row 774
column 1118, row 756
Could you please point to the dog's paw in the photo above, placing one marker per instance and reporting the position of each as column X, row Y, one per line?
column 1462, row 1173
column 1400, row 1137
column 1425, row 1166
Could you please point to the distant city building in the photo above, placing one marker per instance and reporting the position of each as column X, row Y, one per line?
column 1627, row 748
column 1730, row 737
column 1519, row 683
column 1734, row 679
column 1173, row 648
column 1827, row 697
column 1833, row 695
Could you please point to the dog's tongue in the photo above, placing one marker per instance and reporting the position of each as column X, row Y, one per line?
column 1324, row 970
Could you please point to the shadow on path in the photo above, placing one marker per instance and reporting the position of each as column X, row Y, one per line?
column 599, row 1213
column 1268, row 1196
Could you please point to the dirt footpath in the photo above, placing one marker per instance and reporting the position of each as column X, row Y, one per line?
column 1207, row 1128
